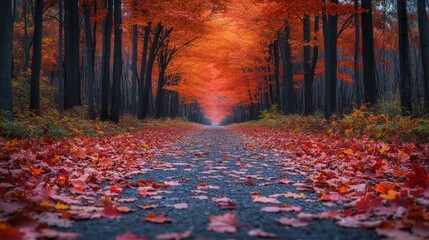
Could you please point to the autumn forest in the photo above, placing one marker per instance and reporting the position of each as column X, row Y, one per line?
column 170, row 119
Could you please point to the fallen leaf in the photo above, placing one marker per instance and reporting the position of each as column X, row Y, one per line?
column 291, row 222
column 261, row 234
column 129, row 236
column 174, row 236
column 151, row 217
column 260, row 199
column 226, row 223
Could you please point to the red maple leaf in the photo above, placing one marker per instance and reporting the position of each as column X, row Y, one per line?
column 418, row 178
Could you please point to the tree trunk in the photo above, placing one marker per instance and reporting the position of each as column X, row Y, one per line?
column 117, row 64
column 60, row 58
column 315, row 58
column 326, row 41
column 275, row 54
column 134, row 70
column 25, row 41
column 148, row 82
column 6, row 26
column 105, row 68
column 72, row 84
column 289, row 96
column 332, row 51
column 37, row 58
column 90, row 63
column 308, row 81
column 424, row 43
column 143, row 73
column 404, row 59
column 357, row 56
column 368, row 61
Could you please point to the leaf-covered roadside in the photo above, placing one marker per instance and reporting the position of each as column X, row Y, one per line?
column 45, row 182
column 73, row 124
column 383, row 123
column 380, row 185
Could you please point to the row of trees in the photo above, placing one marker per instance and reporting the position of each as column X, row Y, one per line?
column 214, row 59
column 145, row 36
column 331, row 56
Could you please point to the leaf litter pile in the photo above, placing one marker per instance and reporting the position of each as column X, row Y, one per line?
column 285, row 181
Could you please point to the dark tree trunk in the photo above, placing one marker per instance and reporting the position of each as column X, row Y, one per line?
column 37, row 59
column 326, row 41
column 332, row 51
column 368, row 61
column 424, row 43
column 148, row 78
column 143, row 73
column 357, row 56
column 90, row 63
column 275, row 55
column 6, row 26
column 60, row 58
column 72, row 85
column 289, row 97
column 105, row 68
column 117, row 64
column 404, row 59
column 26, row 41
column 134, row 70
column 314, row 58
column 308, row 81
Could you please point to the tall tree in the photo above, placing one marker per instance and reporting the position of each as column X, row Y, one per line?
column 357, row 55
column 37, row 59
column 141, row 84
column 148, row 77
column 60, row 57
column 308, row 81
column 72, row 84
column 117, row 64
column 89, row 62
column 331, row 25
column 368, row 60
column 289, row 95
column 135, row 75
column 424, row 45
column 404, row 58
column 6, row 25
column 105, row 65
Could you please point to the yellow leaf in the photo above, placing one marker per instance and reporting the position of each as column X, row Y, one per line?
column 348, row 151
column 391, row 194
column 45, row 204
column 294, row 195
column 60, row 206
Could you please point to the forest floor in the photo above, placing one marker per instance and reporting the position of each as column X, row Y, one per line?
column 198, row 182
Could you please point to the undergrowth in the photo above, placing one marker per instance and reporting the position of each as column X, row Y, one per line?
column 384, row 123
column 71, row 124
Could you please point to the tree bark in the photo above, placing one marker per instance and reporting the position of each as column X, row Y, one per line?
column 134, row 72
column 105, row 68
column 275, row 54
column 357, row 56
column 72, row 84
column 117, row 64
column 404, row 59
column 37, row 58
column 6, row 26
column 60, row 58
column 143, row 72
column 332, row 51
column 148, row 77
column 90, row 63
column 368, row 60
column 424, row 43
column 289, row 96
column 315, row 56
column 308, row 81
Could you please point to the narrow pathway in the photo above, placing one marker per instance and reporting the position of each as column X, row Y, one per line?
column 212, row 164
